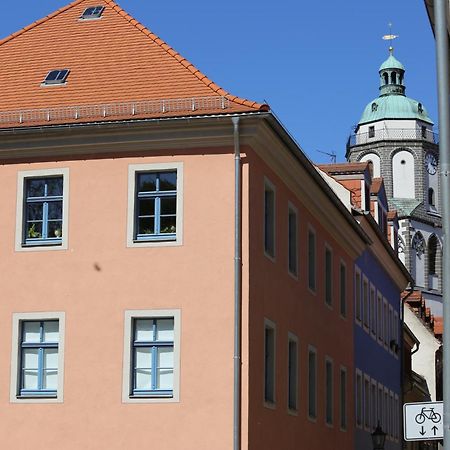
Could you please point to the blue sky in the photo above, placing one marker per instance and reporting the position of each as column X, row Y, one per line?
column 315, row 63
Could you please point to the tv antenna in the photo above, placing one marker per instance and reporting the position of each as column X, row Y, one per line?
column 332, row 155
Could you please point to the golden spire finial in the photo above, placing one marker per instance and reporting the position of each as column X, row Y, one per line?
column 390, row 37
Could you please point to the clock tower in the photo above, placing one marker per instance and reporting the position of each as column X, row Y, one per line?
column 395, row 134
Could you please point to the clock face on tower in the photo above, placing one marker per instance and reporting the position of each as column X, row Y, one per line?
column 431, row 163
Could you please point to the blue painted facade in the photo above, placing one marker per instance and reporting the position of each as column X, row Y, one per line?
column 377, row 353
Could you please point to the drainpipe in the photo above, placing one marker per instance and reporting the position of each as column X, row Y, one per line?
column 442, row 55
column 237, row 288
column 402, row 368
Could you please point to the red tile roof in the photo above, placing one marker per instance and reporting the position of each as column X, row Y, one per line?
column 112, row 60
column 358, row 167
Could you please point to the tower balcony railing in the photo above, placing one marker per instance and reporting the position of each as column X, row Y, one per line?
column 395, row 134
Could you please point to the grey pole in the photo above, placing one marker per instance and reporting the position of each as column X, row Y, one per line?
column 440, row 19
column 237, row 289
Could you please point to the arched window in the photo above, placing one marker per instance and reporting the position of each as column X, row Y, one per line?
column 418, row 244
column 432, row 254
column 431, row 196
column 400, row 81
column 393, row 78
column 386, row 78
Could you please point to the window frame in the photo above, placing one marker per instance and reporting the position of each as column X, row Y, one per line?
column 312, row 259
column 44, row 245
column 95, row 16
column 328, row 278
column 16, row 358
column 367, row 405
column 270, row 402
column 357, row 295
column 269, row 223
column 343, row 307
column 293, row 246
column 329, row 393
column 293, row 382
column 343, row 381
column 312, row 407
column 127, row 378
column 359, row 399
column 133, row 171
column 373, row 310
column 365, row 310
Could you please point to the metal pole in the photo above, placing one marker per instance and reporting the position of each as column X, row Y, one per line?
column 237, row 288
column 441, row 33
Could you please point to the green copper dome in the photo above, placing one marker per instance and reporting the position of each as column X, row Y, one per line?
column 392, row 102
column 392, row 63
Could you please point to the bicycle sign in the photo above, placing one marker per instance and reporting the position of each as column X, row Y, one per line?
column 423, row 421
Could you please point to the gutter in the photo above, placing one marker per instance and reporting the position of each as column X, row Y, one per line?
column 237, row 287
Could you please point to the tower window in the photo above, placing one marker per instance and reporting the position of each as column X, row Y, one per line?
column 386, row 78
column 424, row 131
column 374, row 107
column 393, row 78
column 371, row 131
column 420, row 108
column 432, row 253
column 431, row 199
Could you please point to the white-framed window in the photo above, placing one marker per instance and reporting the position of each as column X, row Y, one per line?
column 37, row 357
column 380, row 409
column 269, row 218
column 358, row 295
column 373, row 403
column 396, row 417
column 151, row 361
column 269, row 362
column 42, row 210
column 312, row 382
column 359, row 399
column 385, row 323
column 392, row 415
column 292, row 372
column 312, row 250
column 155, row 204
column 329, row 405
column 366, row 306
column 343, row 398
column 367, row 404
column 373, row 312
column 395, row 336
column 380, row 317
column 292, row 240
column 391, row 340
column 343, row 289
column 328, row 276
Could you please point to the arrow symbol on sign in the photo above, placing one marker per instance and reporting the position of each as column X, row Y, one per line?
column 435, row 428
column 422, row 432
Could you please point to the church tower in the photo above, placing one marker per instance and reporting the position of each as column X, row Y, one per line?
column 396, row 136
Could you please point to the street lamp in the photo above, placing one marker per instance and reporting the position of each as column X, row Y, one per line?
column 378, row 438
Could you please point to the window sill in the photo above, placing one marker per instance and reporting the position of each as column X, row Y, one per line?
column 42, row 244
column 156, row 396
column 36, row 396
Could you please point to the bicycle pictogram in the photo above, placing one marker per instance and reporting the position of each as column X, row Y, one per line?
column 428, row 414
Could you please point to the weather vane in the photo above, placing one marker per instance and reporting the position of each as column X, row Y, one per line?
column 390, row 37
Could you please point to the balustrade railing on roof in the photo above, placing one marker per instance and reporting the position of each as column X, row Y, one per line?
column 114, row 110
column 396, row 134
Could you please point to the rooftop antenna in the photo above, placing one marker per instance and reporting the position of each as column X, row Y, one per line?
column 390, row 37
column 332, row 156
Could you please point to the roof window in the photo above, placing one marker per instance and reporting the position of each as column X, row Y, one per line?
column 93, row 12
column 57, row 76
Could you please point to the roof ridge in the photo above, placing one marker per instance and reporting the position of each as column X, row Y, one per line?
column 183, row 61
column 39, row 22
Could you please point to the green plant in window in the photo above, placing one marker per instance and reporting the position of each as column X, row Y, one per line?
column 32, row 233
column 169, row 229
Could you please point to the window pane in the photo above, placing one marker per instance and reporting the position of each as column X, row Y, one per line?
column 143, row 379
column 312, row 384
column 168, row 224
column 143, row 358
column 293, row 375
column 311, row 260
column 292, row 242
column 34, row 211
column 164, row 330
column 165, row 358
column 30, row 358
column 31, row 332
column 146, row 207
column 168, row 205
column 51, row 331
column 269, row 221
column 35, row 188
column 30, row 379
column 55, row 210
column 164, row 379
column 34, row 230
column 54, row 186
column 329, row 392
column 146, row 182
column 269, row 365
column 147, row 226
column 168, row 181
column 50, row 358
column 50, row 379
column 143, row 330
column 54, row 229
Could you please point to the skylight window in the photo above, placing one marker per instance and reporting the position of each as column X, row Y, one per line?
column 93, row 12
column 57, row 76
